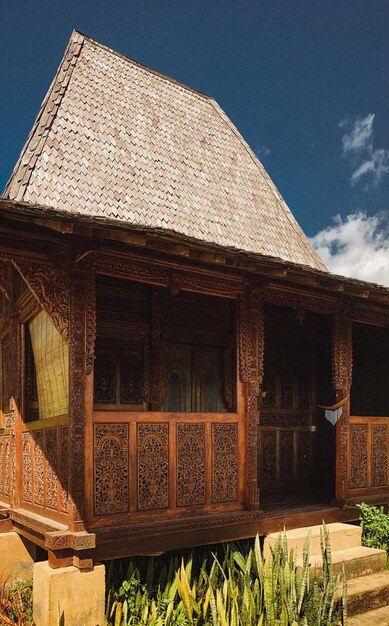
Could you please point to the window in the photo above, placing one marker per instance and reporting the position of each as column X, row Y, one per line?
column 46, row 369
column 161, row 351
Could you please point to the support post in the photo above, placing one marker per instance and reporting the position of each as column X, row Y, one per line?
column 251, row 372
column 341, row 379
column 77, row 413
column 68, row 595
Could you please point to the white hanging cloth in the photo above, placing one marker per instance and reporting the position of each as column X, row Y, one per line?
column 333, row 416
column 333, row 413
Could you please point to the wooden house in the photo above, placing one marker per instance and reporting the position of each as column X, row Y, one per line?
column 169, row 334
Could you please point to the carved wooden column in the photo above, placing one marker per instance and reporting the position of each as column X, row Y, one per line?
column 77, row 379
column 341, row 380
column 251, row 373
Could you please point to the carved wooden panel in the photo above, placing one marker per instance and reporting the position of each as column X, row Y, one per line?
column 50, row 441
column 224, row 462
column 38, row 468
column 190, row 464
column 286, row 455
column 131, row 377
column 304, row 454
column 287, row 389
column 63, row 470
column 152, row 453
column 105, row 378
column 270, row 388
column 358, row 455
column 379, row 455
column 110, row 468
column 284, row 419
column 27, row 467
column 269, row 455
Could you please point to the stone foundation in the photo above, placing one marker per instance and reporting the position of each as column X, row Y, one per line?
column 17, row 557
column 68, row 595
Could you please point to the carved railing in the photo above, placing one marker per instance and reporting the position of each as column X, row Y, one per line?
column 7, row 464
column 369, row 450
column 44, row 452
column 165, row 463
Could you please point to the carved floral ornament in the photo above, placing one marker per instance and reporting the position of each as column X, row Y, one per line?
column 49, row 283
column 6, row 280
column 176, row 281
column 51, row 287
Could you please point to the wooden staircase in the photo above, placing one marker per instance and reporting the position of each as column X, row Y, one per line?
column 367, row 576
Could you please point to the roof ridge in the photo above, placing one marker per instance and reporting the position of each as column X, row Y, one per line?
column 151, row 70
column 45, row 118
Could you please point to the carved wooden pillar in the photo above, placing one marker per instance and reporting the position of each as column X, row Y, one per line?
column 251, row 373
column 6, row 280
column 341, row 380
column 77, row 413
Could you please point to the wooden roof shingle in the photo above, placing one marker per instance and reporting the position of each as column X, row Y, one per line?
column 114, row 139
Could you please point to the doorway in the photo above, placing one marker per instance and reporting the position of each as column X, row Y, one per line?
column 296, row 444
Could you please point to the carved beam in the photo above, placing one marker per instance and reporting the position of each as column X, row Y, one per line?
column 172, row 278
column 300, row 302
column 370, row 315
column 59, row 540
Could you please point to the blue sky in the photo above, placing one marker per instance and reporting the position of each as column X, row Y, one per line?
column 306, row 83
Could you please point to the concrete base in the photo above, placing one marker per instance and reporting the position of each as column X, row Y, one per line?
column 17, row 557
column 68, row 596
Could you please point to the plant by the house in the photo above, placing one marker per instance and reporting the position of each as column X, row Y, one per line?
column 16, row 603
column 232, row 588
column 375, row 526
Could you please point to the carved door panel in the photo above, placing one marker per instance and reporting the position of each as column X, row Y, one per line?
column 285, row 431
column 195, row 379
column 179, row 375
column 206, row 380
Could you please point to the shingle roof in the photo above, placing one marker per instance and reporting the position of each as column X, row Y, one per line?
column 118, row 140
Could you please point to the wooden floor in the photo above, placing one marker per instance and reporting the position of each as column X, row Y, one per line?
column 278, row 516
column 210, row 529
column 156, row 537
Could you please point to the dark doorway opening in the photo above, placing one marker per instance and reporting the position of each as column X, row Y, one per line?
column 370, row 387
column 296, row 443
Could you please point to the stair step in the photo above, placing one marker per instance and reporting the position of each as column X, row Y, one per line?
column 377, row 617
column 342, row 536
column 358, row 561
column 367, row 593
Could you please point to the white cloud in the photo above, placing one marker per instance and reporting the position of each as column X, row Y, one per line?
column 262, row 151
column 357, row 247
column 360, row 135
column 377, row 165
column 358, row 145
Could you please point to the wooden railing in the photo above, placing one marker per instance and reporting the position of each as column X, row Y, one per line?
column 165, row 464
column 369, row 446
column 44, row 462
column 7, row 464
